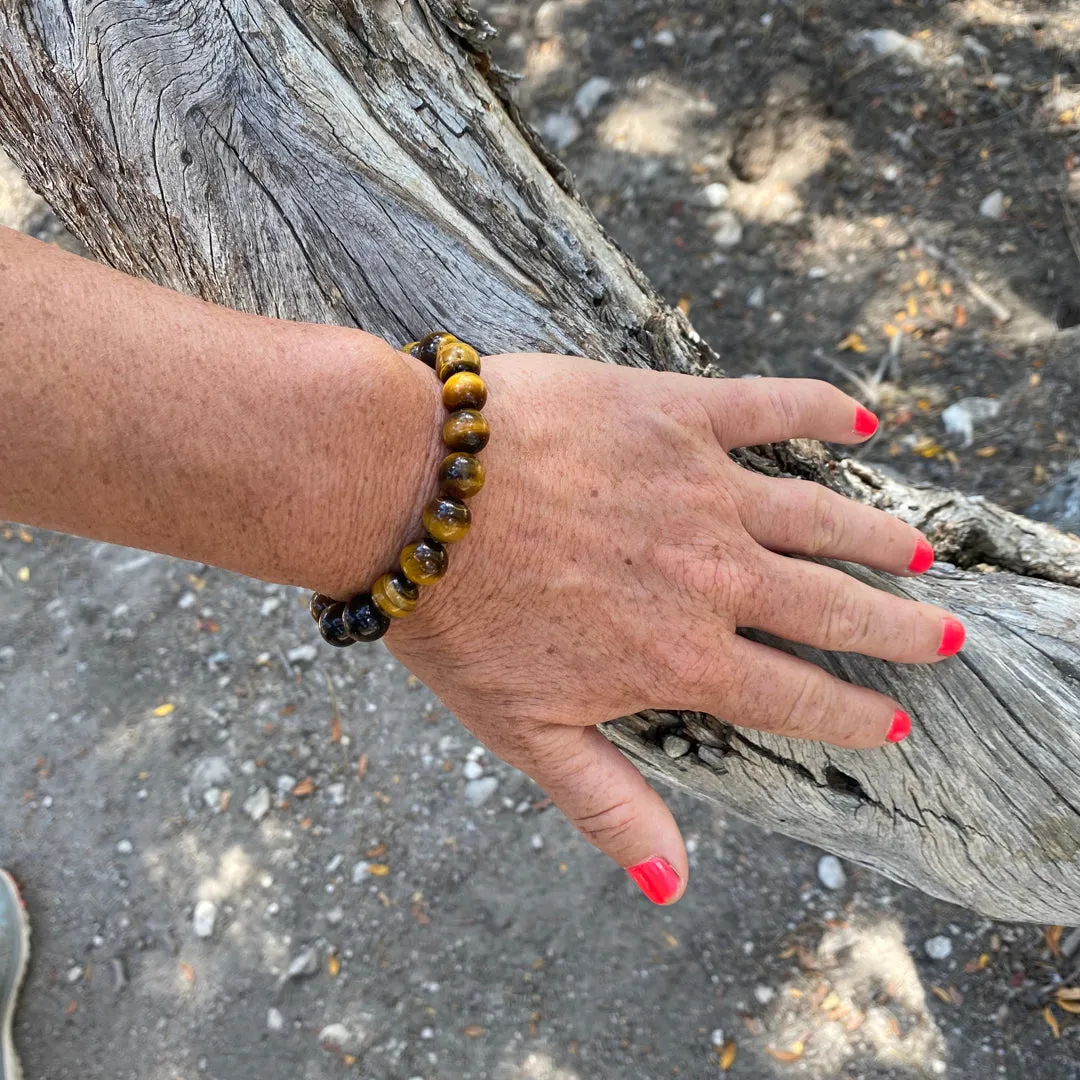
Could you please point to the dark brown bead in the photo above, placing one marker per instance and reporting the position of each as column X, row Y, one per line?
column 395, row 595
column 424, row 562
column 465, row 390
column 447, row 519
column 461, row 476
column 466, row 430
column 332, row 627
column 455, row 356
column 428, row 348
column 319, row 603
column 364, row 620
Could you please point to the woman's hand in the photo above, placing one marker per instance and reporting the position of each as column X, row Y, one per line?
column 615, row 550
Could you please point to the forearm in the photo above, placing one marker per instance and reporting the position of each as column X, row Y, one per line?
column 287, row 451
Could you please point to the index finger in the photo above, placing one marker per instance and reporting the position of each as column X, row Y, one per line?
column 753, row 412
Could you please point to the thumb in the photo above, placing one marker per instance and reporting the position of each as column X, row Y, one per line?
column 610, row 803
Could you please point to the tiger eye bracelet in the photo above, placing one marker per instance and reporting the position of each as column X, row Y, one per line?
column 367, row 616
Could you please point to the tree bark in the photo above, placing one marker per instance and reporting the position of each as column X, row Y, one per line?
column 359, row 162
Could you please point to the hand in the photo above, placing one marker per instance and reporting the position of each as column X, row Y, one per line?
column 614, row 552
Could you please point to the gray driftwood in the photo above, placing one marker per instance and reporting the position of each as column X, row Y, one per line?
column 356, row 162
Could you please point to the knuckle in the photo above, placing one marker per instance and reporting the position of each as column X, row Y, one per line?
column 829, row 526
column 607, row 826
column 784, row 403
column 809, row 711
column 848, row 621
column 680, row 665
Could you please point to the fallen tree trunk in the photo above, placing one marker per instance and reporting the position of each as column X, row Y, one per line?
column 358, row 163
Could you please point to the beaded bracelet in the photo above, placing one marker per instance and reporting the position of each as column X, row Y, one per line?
column 367, row 616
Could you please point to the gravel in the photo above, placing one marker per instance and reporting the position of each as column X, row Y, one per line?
column 204, row 918
column 477, row 792
column 939, row 948
column 830, row 872
column 257, row 805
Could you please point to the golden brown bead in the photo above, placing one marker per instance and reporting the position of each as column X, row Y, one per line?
column 447, row 519
column 455, row 356
column 465, row 390
column 412, row 349
column 424, row 562
column 428, row 348
column 466, row 430
column 461, row 476
column 395, row 595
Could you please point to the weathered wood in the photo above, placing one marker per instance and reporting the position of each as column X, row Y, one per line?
column 356, row 162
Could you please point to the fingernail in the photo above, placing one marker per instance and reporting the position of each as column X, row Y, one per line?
column 923, row 558
column 866, row 423
column 900, row 728
column 952, row 637
column 656, row 879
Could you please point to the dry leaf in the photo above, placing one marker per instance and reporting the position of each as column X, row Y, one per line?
column 852, row 343
column 187, row 973
column 727, row 1055
column 671, row 939
column 304, row 788
column 927, row 448
column 473, row 1031
column 378, row 870
column 787, row 1056
column 922, row 278
column 1072, row 1007
column 335, row 729
column 684, row 305
column 163, row 710
column 1039, row 475
column 912, row 307
column 890, row 330
column 196, row 582
column 960, row 316
column 534, row 1025
column 361, row 766
column 25, row 537
column 23, row 574
column 857, row 1020
column 1034, row 379
column 831, row 1002
column 977, row 965
column 946, row 288
column 986, row 451
column 1052, row 1021
column 333, row 965
column 375, row 852
column 1052, row 934
column 71, row 1008
column 1068, row 993
column 224, row 800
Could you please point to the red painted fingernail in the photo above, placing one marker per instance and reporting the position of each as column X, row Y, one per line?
column 866, row 423
column 923, row 558
column 952, row 637
column 656, row 879
column 900, row 728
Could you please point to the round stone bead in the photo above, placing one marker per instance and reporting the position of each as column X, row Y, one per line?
column 395, row 595
column 455, row 356
column 424, row 562
column 465, row 390
column 427, row 349
column 363, row 619
column 447, row 519
column 319, row 603
column 332, row 627
column 460, row 476
column 466, row 430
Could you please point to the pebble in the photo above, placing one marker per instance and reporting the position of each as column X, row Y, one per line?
column 302, row 654
column 335, row 916
column 1001, row 80
column 714, row 195
column 7, row 652
column 993, row 206
column 816, row 273
column 961, row 417
column 210, row 772
column 257, row 805
column 710, row 755
column 756, row 298
column 274, row 1020
column 188, row 600
column 830, row 872
column 303, row 965
column 269, row 606
column 473, row 770
column 560, row 129
column 74, row 974
column 727, row 229
column 717, row 1037
column 212, row 798
column 360, row 872
column 591, row 94
column 339, row 1037
column 286, row 783
column 334, row 864
column 888, row 42
column 548, row 18
column 664, row 38
column 938, row 948
column 974, row 45
column 764, row 994
column 477, row 792
column 204, row 918
column 675, row 746
column 536, row 842
column 336, row 793
column 124, row 847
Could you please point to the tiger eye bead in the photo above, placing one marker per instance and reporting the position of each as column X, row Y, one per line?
column 332, row 627
column 447, row 519
column 427, row 349
column 424, row 562
column 465, row 390
column 363, row 620
column 466, row 430
column 461, row 476
column 319, row 603
column 455, row 356
column 412, row 349
column 395, row 595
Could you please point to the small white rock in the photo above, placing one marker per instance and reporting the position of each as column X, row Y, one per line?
column 360, row 872
column 664, row 38
column 756, row 298
column 560, row 129
column 830, row 872
column 302, row 654
column 336, row 793
column 888, row 42
column 477, row 792
column 473, row 770
column 717, row 1037
column 1001, row 80
column 714, row 195
column 210, row 772
column 286, row 783
column 124, row 847
column 257, row 805
column 727, row 229
column 188, row 600
column 939, row 948
column 212, row 798
column 274, row 1020
column 591, row 94
column 536, row 842
column 993, row 206
column 334, row 864
column 74, row 974
column 816, row 273
column 974, row 45
column 338, row 1036
column 675, row 746
column 764, row 994
column 269, row 606
column 961, row 417
column 204, row 918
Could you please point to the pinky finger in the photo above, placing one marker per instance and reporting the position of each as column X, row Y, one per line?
column 788, row 696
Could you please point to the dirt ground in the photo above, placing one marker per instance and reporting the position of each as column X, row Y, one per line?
column 246, row 857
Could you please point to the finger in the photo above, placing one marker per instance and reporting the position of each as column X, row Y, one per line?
column 751, row 412
column 611, row 805
column 783, row 694
column 798, row 517
column 829, row 609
